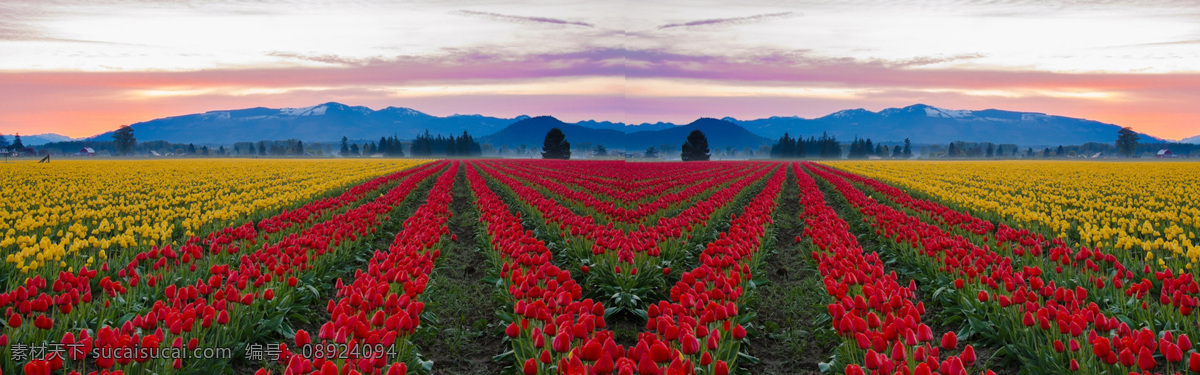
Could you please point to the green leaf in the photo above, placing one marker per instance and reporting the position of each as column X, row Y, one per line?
column 508, row 356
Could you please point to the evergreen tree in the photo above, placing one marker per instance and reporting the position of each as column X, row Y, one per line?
column 600, row 150
column 300, row 148
column 345, row 146
column 991, row 149
column 221, row 151
column 191, row 150
column 952, row 151
column 696, row 147
column 423, row 144
column 3, row 141
column 786, row 147
column 251, row 151
column 467, row 146
column 1127, row 141
column 354, row 149
column 896, row 152
column 828, row 146
column 555, row 146
column 262, row 148
column 17, row 145
column 907, row 149
column 1060, row 151
column 880, row 151
column 651, row 152
column 397, row 147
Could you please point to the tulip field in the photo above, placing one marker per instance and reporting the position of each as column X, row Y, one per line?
column 394, row 266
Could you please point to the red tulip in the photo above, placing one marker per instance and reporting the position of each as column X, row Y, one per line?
column 531, row 367
column 721, row 368
column 648, row 367
column 302, row 338
column 1145, row 359
column 1194, row 362
column 968, row 355
column 1127, row 358
column 1171, row 352
column 898, row 353
column 42, row 322
column 604, row 365
column 854, row 370
column 949, row 341
column 512, row 330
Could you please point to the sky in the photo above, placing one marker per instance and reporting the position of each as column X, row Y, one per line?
column 83, row 67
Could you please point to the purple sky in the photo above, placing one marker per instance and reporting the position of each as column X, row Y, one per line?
column 79, row 67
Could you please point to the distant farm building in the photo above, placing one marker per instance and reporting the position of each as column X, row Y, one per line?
column 86, row 151
column 1165, row 154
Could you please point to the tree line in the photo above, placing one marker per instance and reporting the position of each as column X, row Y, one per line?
column 828, row 147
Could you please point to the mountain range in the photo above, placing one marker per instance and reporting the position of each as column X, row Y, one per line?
column 927, row 124
column 39, row 139
column 329, row 122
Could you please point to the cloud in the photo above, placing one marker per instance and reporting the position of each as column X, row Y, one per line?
column 731, row 21
column 523, row 19
column 931, row 60
column 322, row 58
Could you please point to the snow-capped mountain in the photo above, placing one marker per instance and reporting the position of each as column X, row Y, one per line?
column 927, row 124
column 327, row 122
column 38, row 139
column 922, row 124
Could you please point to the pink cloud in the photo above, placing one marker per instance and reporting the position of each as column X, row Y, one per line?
column 82, row 103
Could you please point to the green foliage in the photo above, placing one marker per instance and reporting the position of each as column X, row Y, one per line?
column 124, row 139
column 1127, row 141
column 555, row 146
column 696, row 147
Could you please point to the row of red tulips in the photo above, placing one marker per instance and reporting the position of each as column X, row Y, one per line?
column 620, row 182
column 222, row 304
column 551, row 329
column 698, row 330
column 1177, row 294
column 648, row 258
column 1043, row 324
column 380, row 306
column 71, row 289
column 701, row 326
column 665, row 194
column 879, row 320
column 606, row 238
